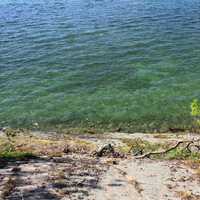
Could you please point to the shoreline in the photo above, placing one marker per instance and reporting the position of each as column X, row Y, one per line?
column 100, row 128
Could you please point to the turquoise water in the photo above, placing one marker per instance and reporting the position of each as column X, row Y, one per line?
column 128, row 63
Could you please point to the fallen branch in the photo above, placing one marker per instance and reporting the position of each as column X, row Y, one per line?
column 188, row 146
column 149, row 154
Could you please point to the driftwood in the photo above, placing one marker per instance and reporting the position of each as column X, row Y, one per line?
column 107, row 149
column 188, row 143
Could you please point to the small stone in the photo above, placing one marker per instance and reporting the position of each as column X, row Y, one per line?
column 115, row 162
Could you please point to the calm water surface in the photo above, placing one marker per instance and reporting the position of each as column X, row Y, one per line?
column 124, row 62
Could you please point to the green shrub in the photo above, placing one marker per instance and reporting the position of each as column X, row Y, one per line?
column 195, row 112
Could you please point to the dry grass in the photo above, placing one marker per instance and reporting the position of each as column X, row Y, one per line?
column 139, row 144
column 193, row 164
column 187, row 195
column 198, row 172
column 161, row 136
column 23, row 142
column 8, row 186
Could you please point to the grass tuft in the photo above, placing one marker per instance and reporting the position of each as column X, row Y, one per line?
column 139, row 144
column 16, row 155
column 182, row 154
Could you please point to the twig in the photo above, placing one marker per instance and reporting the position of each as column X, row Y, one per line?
column 188, row 145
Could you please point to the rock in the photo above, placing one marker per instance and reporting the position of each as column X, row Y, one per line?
column 115, row 162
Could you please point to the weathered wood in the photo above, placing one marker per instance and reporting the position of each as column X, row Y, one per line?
column 107, row 149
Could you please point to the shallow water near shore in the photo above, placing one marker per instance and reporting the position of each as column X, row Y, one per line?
column 99, row 62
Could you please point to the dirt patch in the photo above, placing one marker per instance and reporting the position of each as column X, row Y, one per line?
column 147, row 180
column 71, row 176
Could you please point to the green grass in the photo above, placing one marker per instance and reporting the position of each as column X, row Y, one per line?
column 182, row 154
column 15, row 155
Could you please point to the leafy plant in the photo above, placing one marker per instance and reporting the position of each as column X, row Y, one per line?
column 195, row 111
column 10, row 134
